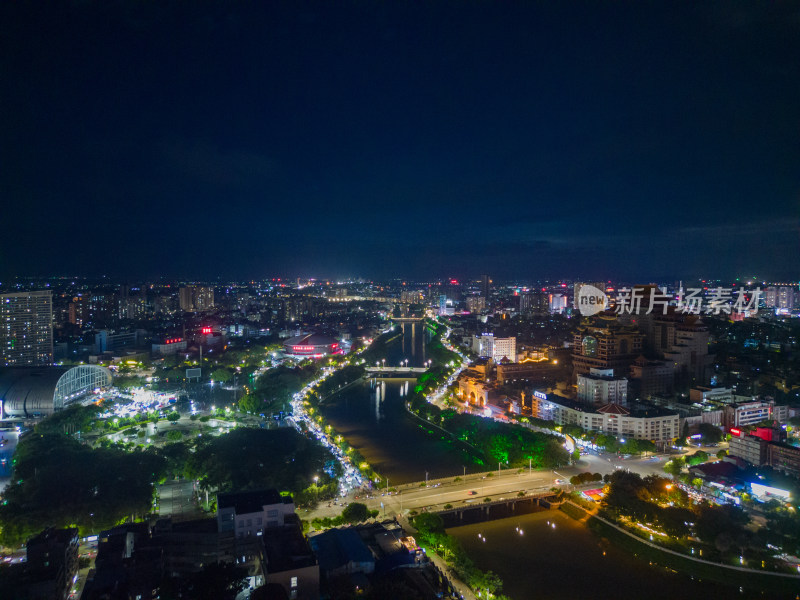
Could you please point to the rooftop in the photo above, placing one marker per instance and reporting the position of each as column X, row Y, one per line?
column 250, row 502
column 337, row 547
column 310, row 339
column 286, row 547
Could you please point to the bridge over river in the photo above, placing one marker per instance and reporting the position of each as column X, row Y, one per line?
column 397, row 371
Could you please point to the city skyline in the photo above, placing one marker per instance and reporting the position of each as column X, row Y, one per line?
column 612, row 142
column 298, row 298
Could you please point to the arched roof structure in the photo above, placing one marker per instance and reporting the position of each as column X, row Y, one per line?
column 34, row 391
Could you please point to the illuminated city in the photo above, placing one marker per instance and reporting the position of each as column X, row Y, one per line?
column 399, row 301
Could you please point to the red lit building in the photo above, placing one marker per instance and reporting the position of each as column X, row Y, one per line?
column 169, row 345
column 311, row 346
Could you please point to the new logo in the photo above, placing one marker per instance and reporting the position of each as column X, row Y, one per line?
column 591, row 300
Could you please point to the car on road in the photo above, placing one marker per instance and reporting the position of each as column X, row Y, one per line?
column 473, row 493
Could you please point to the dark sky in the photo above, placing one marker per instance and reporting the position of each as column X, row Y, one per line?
column 415, row 139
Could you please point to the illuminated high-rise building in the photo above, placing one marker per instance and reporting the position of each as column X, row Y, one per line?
column 196, row 298
column 534, row 303
column 558, row 303
column 606, row 344
column 203, row 298
column 442, row 304
column 476, row 304
column 26, row 328
column 485, row 286
column 496, row 348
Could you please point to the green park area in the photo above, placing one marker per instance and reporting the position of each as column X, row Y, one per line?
column 60, row 481
column 510, row 445
column 272, row 391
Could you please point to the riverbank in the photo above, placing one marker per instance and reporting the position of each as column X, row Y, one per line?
column 549, row 556
column 694, row 567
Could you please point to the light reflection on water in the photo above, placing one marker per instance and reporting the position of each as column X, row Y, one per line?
column 559, row 558
column 370, row 415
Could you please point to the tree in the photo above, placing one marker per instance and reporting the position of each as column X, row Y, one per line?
column 487, row 580
column 57, row 466
column 70, row 420
column 710, row 434
column 221, row 375
column 609, row 442
column 674, row 466
column 697, row 458
column 513, row 445
column 586, row 477
column 715, row 520
column 251, row 403
column 673, row 521
column 355, row 512
column 628, row 495
column 427, row 523
column 173, row 417
column 125, row 383
column 237, row 460
column 634, row 446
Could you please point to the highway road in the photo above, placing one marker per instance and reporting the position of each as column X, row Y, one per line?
column 457, row 490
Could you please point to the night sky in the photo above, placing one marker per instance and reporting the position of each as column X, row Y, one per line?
column 417, row 139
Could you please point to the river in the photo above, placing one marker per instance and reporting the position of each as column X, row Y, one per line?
column 372, row 417
column 557, row 557
column 566, row 561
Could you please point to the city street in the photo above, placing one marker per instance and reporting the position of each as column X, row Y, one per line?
column 175, row 500
column 416, row 496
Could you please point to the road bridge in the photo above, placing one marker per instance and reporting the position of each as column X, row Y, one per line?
column 480, row 510
column 394, row 370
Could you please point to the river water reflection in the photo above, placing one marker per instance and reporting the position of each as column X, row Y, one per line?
column 371, row 416
column 557, row 557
